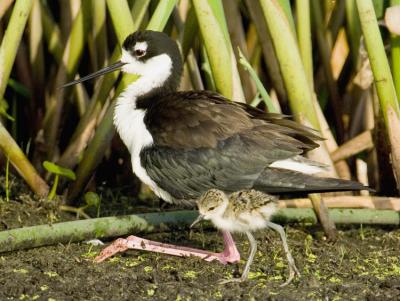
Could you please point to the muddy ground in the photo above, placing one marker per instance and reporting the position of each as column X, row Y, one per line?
column 364, row 264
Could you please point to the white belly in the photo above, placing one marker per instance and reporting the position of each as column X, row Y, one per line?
column 130, row 125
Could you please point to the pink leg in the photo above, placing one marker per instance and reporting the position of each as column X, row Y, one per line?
column 230, row 253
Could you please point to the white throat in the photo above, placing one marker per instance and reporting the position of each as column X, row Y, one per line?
column 129, row 121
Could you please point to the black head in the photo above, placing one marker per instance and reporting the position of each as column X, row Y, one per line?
column 147, row 53
column 145, row 46
column 156, row 43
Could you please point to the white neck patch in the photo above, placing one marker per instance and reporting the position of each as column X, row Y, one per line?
column 141, row 46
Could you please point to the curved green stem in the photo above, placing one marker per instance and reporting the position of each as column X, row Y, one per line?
column 53, row 190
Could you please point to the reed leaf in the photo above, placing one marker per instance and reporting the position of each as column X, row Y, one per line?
column 353, row 29
column 324, row 47
column 21, row 163
column 70, row 59
column 304, row 37
column 52, row 33
column 213, row 28
column 383, row 79
column 98, row 43
column 121, row 18
column 267, row 48
column 11, row 40
column 36, row 56
column 395, row 55
column 138, row 11
column 293, row 72
column 261, row 89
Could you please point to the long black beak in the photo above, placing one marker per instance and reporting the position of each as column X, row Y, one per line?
column 198, row 219
column 100, row 72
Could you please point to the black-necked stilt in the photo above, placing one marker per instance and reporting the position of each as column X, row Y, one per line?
column 184, row 143
column 244, row 211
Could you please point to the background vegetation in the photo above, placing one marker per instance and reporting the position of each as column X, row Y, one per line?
column 332, row 65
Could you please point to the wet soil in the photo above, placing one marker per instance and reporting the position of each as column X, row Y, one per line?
column 364, row 264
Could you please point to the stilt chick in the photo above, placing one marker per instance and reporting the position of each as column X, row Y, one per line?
column 244, row 211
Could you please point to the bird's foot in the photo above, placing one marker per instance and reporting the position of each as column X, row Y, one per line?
column 293, row 271
column 120, row 245
column 133, row 242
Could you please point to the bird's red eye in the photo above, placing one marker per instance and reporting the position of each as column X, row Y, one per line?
column 140, row 52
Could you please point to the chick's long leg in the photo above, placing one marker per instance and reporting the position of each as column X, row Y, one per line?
column 292, row 266
column 253, row 250
column 229, row 255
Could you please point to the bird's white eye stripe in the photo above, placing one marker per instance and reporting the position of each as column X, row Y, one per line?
column 140, row 46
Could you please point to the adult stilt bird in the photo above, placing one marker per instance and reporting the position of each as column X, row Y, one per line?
column 184, row 143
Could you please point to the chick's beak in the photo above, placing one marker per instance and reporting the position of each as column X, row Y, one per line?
column 197, row 220
column 100, row 72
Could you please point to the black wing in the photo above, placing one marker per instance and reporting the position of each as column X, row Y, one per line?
column 202, row 141
column 202, row 119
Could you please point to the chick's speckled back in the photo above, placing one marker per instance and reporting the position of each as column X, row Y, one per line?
column 250, row 200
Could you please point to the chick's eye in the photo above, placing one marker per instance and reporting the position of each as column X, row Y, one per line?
column 140, row 52
column 211, row 208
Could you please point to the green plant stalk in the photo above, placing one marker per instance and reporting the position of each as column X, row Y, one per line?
column 18, row 159
column 294, row 76
column 238, row 39
column 304, row 38
column 325, row 54
column 206, row 67
column 74, row 231
column 213, row 28
column 353, row 29
column 377, row 56
column 7, row 179
column 36, row 56
column 161, row 15
column 105, row 131
column 138, row 10
column 66, row 70
column 335, row 21
column 11, row 40
column 78, row 38
column 121, row 18
column 190, row 31
column 216, row 45
column 267, row 47
column 52, row 33
column 383, row 80
column 395, row 53
column 260, row 86
column 187, row 33
column 53, row 190
column 286, row 7
column 98, row 46
column 93, row 154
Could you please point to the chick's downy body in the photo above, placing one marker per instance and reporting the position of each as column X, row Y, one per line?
column 244, row 211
